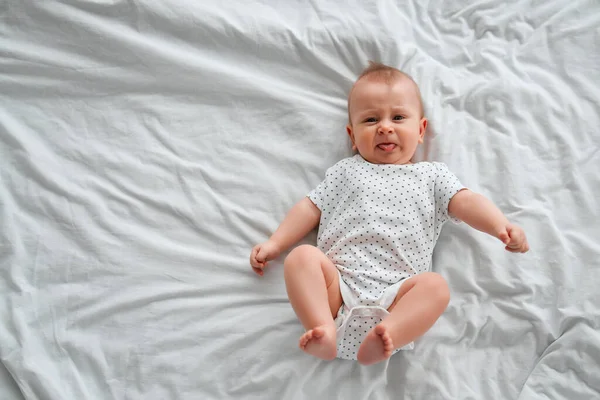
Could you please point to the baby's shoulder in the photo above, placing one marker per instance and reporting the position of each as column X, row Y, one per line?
column 341, row 166
column 435, row 167
column 429, row 164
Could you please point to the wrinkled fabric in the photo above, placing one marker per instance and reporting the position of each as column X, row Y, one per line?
column 145, row 147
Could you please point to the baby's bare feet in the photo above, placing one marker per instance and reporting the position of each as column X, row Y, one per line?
column 376, row 347
column 320, row 342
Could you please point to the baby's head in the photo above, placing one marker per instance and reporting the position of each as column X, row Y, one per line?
column 385, row 113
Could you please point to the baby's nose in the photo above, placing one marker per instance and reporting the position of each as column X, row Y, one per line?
column 385, row 127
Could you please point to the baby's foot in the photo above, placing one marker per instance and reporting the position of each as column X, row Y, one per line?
column 376, row 347
column 320, row 342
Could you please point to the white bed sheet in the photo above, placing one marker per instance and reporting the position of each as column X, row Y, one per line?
column 145, row 147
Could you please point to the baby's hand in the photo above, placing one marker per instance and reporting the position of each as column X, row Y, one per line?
column 261, row 254
column 514, row 238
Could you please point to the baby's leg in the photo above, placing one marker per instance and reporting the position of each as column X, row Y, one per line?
column 421, row 300
column 312, row 284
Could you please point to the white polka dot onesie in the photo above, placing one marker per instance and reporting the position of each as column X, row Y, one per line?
column 379, row 224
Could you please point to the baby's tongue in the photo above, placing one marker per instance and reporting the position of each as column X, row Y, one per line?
column 387, row 146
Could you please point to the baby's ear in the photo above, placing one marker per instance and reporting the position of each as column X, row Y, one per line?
column 422, row 129
column 349, row 130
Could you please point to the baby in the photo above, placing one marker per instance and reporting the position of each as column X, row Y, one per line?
column 366, row 291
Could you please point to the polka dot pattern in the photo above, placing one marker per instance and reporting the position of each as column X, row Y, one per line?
column 358, row 327
column 379, row 222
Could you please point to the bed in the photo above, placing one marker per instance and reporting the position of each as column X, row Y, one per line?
column 145, row 147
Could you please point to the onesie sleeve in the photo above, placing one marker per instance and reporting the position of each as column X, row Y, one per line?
column 318, row 194
column 446, row 186
column 323, row 196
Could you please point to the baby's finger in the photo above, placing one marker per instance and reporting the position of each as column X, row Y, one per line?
column 515, row 237
column 504, row 237
column 258, row 271
column 253, row 260
column 262, row 256
column 512, row 231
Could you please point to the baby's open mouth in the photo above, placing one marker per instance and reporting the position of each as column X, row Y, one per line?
column 386, row 146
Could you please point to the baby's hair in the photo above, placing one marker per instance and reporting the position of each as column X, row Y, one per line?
column 379, row 71
column 384, row 73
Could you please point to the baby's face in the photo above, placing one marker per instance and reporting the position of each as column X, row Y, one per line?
column 386, row 123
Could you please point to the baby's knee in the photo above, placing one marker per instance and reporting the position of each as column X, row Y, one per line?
column 437, row 286
column 299, row 255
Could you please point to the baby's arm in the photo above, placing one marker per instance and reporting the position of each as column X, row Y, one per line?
column 300, row 220
column 480, row 213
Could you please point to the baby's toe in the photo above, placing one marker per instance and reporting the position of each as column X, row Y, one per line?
column 387, row 342
column 317, row 332
column 304, row 339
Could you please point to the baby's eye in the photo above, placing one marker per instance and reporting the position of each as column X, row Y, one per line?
column 398, row 118
column 371, row 119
